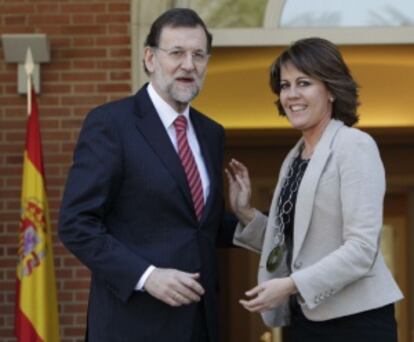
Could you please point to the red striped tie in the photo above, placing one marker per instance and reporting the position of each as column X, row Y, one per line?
column 189, row 165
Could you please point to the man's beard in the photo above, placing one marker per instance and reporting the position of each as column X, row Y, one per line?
column 179, row 91
column 181, row 94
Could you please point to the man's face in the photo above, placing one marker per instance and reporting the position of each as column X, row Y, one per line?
column 177, row 66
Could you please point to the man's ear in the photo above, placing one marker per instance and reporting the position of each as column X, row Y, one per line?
column 149, row 58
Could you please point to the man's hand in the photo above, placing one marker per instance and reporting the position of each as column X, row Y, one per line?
column 174, row 287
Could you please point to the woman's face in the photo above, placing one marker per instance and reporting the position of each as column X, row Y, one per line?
column 306, row 100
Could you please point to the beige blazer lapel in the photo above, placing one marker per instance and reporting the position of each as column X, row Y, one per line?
column 308, row 186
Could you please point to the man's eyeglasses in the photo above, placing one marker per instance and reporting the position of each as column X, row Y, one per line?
column 178, row 55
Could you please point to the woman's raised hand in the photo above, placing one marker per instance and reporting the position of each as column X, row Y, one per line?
column 240, row 191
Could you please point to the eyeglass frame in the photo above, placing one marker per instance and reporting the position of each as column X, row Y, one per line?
column 198, row 56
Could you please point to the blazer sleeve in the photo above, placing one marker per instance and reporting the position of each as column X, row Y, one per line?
column 91, row 187
column 251, row 236
column 362, row 188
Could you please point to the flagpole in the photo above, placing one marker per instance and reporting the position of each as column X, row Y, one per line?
column 36, row 317
column 29, row 67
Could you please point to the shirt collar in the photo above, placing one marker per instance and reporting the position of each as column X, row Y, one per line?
column 166, row 113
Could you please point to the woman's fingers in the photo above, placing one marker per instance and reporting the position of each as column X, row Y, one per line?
column 239, row 167
column 254, row 291
column 229, row 175
column 236, row 177
column 269, row 294
column 243, row 183
column 253, row 305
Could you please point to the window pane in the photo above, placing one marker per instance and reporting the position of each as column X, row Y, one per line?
column 228, row 13
column 350, row 13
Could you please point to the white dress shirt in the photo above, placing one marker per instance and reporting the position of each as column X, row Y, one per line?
column 168, row 115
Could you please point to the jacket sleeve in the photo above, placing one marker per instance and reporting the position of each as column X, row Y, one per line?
column 362, row 188
column 91, row 187
column 251, row 236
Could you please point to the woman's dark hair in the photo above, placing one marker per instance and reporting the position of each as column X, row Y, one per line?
column 176, row 17
column 320, row 59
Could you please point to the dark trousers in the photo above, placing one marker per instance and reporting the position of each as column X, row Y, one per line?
column 200, row 332
column 377, row 325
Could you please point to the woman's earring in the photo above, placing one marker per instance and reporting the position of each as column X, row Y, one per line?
column 331, row 99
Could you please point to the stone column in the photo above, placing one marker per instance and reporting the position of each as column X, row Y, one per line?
column 143, row 13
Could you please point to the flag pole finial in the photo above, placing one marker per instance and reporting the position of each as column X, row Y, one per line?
column 29, row 68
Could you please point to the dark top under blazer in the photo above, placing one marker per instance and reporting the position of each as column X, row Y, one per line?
column 127, row 206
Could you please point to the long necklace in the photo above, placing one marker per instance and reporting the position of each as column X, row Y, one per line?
column 285, row 206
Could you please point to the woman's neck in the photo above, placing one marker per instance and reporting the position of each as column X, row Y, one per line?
column 312, row 137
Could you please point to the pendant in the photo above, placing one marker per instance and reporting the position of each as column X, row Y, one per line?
column 274, row 259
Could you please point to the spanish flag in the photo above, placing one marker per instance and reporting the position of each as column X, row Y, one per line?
column 36, row 317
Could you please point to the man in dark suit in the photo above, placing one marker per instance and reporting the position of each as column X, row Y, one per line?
column 143, row 207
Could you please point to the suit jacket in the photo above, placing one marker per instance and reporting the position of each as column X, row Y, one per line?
column 127, row 205
column 336, row 262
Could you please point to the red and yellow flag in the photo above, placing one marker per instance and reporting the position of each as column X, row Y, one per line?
column 36, row 317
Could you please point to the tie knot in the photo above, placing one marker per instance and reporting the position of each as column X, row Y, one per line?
column 180, row 123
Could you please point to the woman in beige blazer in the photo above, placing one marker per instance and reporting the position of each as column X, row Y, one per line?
column 321, row 269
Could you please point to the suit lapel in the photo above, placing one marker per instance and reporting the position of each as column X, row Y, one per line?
column 150, row 126
column 307, row 190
